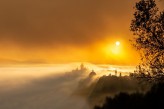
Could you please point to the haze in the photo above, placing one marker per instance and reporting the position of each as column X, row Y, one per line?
column 59, row 31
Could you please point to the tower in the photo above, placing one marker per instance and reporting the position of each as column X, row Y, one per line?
column 82, row 66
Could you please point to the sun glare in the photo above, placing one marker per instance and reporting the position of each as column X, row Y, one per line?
column 117, row 43
column 114, row 49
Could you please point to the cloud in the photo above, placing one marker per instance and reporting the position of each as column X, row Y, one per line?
column 49, row 30
column 28, row 90
column 49, row 87
column 62, row 22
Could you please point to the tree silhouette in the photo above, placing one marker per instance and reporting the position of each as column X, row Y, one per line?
column 148, row 29
column 153, row 99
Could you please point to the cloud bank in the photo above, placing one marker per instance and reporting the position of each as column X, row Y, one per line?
column 58, row 22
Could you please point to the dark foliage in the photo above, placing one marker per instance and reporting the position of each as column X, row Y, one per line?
column 113, row 85
column 148, row 28
column 151, row 100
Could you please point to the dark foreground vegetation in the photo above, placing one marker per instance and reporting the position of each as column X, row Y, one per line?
column 153, row 99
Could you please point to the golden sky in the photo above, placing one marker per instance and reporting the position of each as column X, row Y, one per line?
column 57, row 31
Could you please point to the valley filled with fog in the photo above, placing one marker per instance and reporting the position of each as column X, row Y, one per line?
column 59, row 86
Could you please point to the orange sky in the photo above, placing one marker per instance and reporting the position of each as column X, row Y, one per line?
column 58, row 31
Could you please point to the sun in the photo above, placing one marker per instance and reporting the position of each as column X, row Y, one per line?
column 117, row 48
column 118, row 43
column 114, row 49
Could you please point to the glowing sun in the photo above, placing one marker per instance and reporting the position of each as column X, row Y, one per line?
column 118, row 43
column 116, row 49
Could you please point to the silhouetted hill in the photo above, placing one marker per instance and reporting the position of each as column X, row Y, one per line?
column 153, row 99
column 113, row 85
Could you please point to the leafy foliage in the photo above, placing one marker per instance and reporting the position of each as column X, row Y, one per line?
column 148, row 28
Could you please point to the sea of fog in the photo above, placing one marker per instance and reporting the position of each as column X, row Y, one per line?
column 48, row 86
